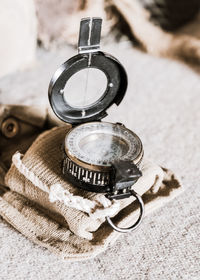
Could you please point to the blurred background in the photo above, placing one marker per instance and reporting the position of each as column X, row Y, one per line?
column 27, row 25
column 158, row 43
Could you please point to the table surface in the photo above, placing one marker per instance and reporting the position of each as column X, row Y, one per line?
column 162, row 105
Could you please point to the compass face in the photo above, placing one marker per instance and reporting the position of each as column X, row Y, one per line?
column 101, row 143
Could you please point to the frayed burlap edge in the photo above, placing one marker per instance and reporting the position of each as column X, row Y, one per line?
column 15, row 209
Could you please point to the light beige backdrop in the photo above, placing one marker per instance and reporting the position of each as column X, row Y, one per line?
column 162, row 106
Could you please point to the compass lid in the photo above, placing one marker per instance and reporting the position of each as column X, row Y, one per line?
column 86, row 105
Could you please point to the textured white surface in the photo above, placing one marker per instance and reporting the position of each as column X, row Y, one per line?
column 18, row 33
column 162, row 107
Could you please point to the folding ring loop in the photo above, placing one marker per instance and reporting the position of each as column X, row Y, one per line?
column 137, row 223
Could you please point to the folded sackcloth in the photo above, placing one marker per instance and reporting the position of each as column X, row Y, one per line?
column 51, row 212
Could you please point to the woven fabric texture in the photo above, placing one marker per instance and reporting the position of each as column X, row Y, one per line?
column 69, row 232
column 161, row 106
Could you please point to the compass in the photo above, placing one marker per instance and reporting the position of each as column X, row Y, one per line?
column 98, row 156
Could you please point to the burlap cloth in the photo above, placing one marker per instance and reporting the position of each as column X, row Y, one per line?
column 43, row 206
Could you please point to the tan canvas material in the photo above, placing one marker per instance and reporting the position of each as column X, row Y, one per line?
column 51, row 212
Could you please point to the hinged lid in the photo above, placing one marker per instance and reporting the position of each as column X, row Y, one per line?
column 89, row 57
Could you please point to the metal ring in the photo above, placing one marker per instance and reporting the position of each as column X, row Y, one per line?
column 137, row 223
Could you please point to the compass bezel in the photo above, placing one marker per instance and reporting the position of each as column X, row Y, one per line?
column 135, row 148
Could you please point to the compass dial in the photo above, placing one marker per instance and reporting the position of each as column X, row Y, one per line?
column 101, row 143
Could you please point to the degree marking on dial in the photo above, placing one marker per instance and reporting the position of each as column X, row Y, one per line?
column 68, row 164
column 79, row 172
column 78, row 133
column 94, row 179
